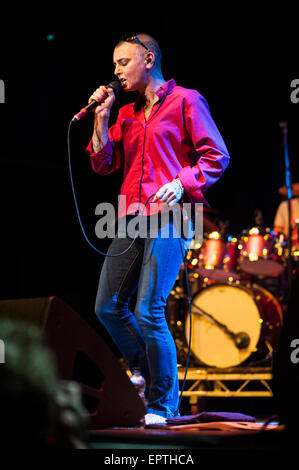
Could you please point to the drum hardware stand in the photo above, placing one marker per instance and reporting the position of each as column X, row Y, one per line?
column 284, row 127
column 240, row 339
column 258, row 219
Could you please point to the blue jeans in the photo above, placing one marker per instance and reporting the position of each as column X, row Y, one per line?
column 151, row 266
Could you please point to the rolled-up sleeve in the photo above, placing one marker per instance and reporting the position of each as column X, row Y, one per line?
column 211, row 154
column 110, row 157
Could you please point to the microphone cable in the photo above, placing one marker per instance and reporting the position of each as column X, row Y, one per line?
column 127, row 249
column 190, row 326
column 77, row 207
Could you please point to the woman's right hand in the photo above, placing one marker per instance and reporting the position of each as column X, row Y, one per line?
column 100, row 94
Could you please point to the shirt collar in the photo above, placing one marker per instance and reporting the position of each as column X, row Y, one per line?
column 166, row 88
column 162, row 92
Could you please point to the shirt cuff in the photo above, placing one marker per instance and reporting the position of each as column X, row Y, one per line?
column 107, row 150
column 188, row 179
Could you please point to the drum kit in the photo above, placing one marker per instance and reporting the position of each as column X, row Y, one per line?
column 238, row 291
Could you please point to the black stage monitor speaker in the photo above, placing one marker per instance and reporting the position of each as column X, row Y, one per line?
column 84, row 357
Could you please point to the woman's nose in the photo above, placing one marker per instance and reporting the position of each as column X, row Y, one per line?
column 116, row 69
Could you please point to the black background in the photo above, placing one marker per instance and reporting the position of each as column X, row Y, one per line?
column 241, row 58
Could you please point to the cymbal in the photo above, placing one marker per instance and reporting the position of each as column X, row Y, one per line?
column 295, row 190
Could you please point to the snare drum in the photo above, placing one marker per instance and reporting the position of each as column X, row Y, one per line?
column 252, row 315
column 217, row 259
column 261, row 254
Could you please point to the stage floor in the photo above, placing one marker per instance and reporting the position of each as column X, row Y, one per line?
column 208, row 436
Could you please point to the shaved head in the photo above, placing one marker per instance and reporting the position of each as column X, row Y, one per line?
column 152, row 46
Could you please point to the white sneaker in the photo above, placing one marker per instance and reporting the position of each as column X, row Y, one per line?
column 151, row 418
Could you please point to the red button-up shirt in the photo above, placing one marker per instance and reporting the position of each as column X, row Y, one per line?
column 179, row 139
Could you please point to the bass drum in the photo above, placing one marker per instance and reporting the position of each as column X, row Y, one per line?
column 222, row 314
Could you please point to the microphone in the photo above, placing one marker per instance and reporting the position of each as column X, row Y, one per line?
column 242, row 340
column 116, row 87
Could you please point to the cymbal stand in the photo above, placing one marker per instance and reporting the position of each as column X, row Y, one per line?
column 284, row 127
